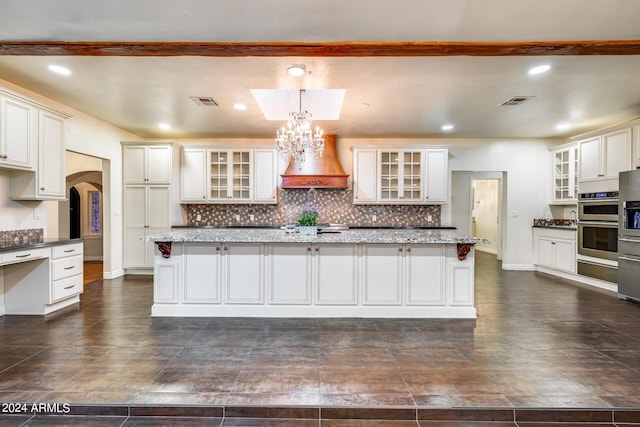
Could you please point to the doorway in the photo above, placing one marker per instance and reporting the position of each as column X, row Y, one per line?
column 74, row 214
column 484, row 205
column 485, row 213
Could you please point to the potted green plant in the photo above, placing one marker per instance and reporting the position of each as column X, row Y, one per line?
column 308, row 219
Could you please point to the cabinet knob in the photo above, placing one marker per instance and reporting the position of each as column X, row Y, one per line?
column 308, row 249
column 408, row 249
column 41, row 188
column 217, row 248
column 226, row 248
column 317, row 249
column 553, row 243
column 400, row 249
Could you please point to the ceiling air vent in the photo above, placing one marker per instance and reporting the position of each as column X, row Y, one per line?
column 204, row 101
column 517, row 100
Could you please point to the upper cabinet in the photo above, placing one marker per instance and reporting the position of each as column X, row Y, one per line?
column 400, row 176
column 146, row 164
column 32, row 145
column 228, row 176
column 602, row 157
column 636, row 146
column 564, row 174
column 18, row 133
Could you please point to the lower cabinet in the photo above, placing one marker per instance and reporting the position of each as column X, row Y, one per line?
column 555, row 248
column 314, row 279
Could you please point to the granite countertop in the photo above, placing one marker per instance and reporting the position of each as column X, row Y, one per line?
column 560, row 227
column 270, row 235
column 34, row 245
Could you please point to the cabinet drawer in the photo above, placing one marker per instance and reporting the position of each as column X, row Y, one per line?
column 61, row 289
column 66, row 250
column 26, row 255
column 66, row 267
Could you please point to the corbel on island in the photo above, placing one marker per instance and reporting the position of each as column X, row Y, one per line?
column 250, row 272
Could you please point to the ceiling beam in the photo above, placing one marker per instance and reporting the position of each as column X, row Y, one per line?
column 329, row 49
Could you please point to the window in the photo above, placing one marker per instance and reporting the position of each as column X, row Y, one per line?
column 94, row 207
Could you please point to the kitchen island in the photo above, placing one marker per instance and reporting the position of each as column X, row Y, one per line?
column 254, row 272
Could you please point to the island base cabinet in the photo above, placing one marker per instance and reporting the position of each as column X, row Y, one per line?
column 244, row 273
column 314, row 280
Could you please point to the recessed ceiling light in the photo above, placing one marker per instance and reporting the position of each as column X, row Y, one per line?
column 447, row 127
column 60, row 70
column 362, row 106
column 297, row 70
column 563, row 126
column 239, row 106
column 164, row 126
column 539, row 69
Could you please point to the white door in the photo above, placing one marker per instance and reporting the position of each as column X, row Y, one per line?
column 365, row 188
column 437, row 175
column 243, row 267
column 158, row 215
column 290, row 274
column 18, row 127
column 158, row 164
column 265, row 176
column 52, row 156
column 202, row 273
column 336, row 274
column 193, row 175
column 590, row 156
column 486, row 213
column 134, row 164
column 382, row 281
column 135, row 221
column 425, row 274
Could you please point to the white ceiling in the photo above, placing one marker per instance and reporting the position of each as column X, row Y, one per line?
column 408, row 96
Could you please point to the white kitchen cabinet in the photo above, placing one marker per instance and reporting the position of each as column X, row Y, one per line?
column 603, row 157
column 290, row 274
column 382, row 274
column 228, row 176
column 437, row 175
column 365, row 176
column 146, row 164
column 48, row 181
column 167, row 277
column 555, row 248
column 193, row 175
column 202, row 273
column 67, row 277
column 265, row 176
column 243, row 273
column 335, row 276
column 147, row 210
column 635, row 133
column 18, row 133
column 425, row 274
column 400, row 176
column 564, row 174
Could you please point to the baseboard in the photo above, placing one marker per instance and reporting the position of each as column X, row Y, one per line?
column 486, row 250
column 518, row 267
column 585, row 280
column 113, row 274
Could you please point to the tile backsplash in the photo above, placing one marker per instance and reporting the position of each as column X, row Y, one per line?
column 334, row 206
column 9, row 238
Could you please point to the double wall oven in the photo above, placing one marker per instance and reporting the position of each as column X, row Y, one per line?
column 598, row 215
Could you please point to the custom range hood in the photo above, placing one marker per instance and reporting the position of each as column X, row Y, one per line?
column 323, row 172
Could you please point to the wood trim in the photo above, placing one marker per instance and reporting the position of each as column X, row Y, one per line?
column 318, row 49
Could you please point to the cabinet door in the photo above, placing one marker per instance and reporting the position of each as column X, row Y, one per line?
column 265, row 176
column 565, row 255
column 365, row 163
column 290, row 274
column 18, row 133
column 134, row 164
column 218, row 175
column 202, row 273
column 158, row 164
column 412, row 164
column 52, row 157
column 546, row 252
column 617, row 152
column 241, row 176
column 382, row 274
column 390, row 184
column 135, row 222
column 424, row 277
column 243, row 273
column 590, row 159
column 158, row 212
column 336, row 274
column 193, row 178
column 437, row 175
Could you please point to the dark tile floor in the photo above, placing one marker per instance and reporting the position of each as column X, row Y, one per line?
column 538, row 342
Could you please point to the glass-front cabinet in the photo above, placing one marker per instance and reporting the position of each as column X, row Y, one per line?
column 564, row 178
column 230, row 173
column 401, row 175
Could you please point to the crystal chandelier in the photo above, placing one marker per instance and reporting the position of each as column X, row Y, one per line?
column 297, row 139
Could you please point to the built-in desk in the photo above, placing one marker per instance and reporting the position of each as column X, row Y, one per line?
column 41, row 278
